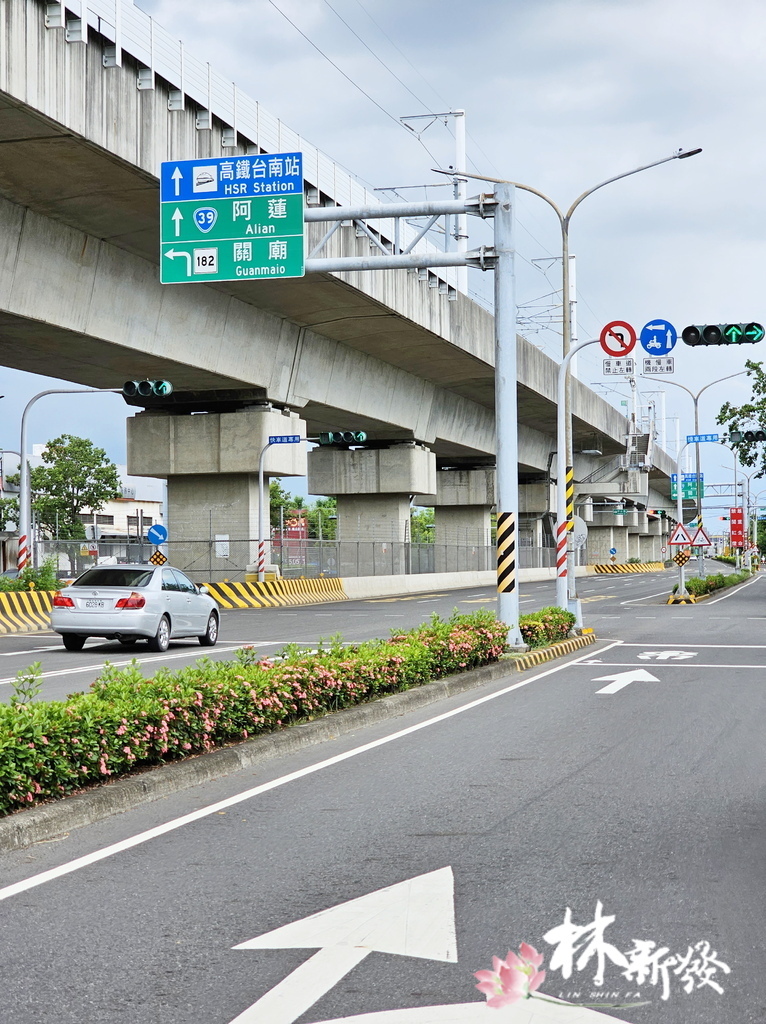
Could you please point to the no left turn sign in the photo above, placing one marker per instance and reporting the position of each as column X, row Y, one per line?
column 618, row 338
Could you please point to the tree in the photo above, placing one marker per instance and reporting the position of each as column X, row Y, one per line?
column 749, row 416
column 422, row 526
column 279, row 498
column 77, row 478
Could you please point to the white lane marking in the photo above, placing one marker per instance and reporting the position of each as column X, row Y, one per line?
column 415, row 917
column 31, row 650
column 121, row 664
column 646, row 597
column 738, row 590
column 714, row 647
column 666, row 655
column 622, row 679
column 204, row 812
column 675, row 664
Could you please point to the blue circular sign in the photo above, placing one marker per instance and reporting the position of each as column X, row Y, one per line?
column 157, row 534
column 612, row 551
column 658, row 337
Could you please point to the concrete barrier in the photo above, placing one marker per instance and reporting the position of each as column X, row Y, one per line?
column 630, row 567
column 28, row 611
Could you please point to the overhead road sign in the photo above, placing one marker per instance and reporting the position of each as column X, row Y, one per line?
column 618, row 338
column 658, row 337
column 699, row 438
column 285, row 439
column 231, row 218
column 680, row 537
column 688, row 485
column 723, row 334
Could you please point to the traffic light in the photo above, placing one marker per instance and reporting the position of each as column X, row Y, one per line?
column 147, row 389
column 723, row 334
column 755, row 435
column 343, row 437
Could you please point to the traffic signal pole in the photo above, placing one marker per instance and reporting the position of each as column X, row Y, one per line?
column 24, row 557
column 261, row 503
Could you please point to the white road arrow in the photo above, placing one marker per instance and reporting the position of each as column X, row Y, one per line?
column 412, row 918
column 177, row 175
column 173, row 253
column 177, row 218
column 620, row 679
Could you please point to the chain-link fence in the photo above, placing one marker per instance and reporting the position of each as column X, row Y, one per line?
column 225, row 559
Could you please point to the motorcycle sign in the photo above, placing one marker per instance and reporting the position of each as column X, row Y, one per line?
column 658, row 337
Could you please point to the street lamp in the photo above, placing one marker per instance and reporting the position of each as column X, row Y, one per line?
column 695, row 399
column 564, row 221
column 25, row 501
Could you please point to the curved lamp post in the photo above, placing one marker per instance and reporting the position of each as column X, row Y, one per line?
column 564, row 220
column 25, row 501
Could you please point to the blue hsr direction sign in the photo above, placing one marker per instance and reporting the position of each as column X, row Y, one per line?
column 231, row 218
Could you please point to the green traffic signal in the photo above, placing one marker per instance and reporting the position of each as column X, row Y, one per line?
column 343, row 437
column 723, row 334
column 147, row 389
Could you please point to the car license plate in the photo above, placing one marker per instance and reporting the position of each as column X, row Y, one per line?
column 94, row 604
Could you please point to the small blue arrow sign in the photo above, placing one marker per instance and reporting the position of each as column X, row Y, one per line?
column 157, row 534
column 658, row 337
column 612, row 551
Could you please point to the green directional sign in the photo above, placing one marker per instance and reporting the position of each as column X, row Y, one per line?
column 230, row 219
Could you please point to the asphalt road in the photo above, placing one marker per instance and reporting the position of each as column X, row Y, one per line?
column 629, row 776
column 270, row 629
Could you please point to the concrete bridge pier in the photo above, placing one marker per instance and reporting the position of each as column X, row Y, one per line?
column 462, row 506
column 373, row 488
column 210, row 461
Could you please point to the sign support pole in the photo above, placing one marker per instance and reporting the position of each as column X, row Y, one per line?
column 261, row 543
column 506, row 416
column 563, row 524
column 680, row 518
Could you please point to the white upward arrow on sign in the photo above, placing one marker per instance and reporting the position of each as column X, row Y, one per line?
column 412, row 918
column 620, row 679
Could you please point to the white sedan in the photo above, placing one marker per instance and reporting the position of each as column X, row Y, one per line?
column 134, row 602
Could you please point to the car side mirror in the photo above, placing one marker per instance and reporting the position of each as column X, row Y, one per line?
column 203, row 589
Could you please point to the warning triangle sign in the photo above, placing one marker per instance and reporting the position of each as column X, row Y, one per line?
column 681, row 536
column 701, row 539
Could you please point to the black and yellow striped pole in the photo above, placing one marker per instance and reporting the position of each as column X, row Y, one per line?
column 506, row 553
column 570, row 498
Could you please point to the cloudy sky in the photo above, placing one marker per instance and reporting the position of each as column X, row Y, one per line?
column 559, row 95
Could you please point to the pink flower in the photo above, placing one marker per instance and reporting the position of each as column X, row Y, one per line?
column 514, row 978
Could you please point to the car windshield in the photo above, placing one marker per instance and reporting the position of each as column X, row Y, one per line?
column 114, row 576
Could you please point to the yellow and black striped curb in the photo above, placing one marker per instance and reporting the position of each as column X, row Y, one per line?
column 556, row 650
column 631, row 567
column 277, row 593
column 25, row 611
column 686, row 599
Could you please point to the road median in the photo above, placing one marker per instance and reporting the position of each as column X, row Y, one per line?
column 49, row 820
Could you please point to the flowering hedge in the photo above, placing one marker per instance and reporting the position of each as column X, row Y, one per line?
column 51, row 748
column 546, row 626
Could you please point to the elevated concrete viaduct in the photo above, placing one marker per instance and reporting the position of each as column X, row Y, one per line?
column 88, row 111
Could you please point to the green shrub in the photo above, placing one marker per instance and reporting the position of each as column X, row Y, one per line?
column 51, row 748
column 546, row 626
column 43, row 578
column 633, row 561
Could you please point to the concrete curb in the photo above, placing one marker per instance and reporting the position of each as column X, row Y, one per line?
column 39, row 824
column 557, row 650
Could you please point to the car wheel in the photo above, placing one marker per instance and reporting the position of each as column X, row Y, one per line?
column 73, row 642
column 210, row 637
column 161, row 640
